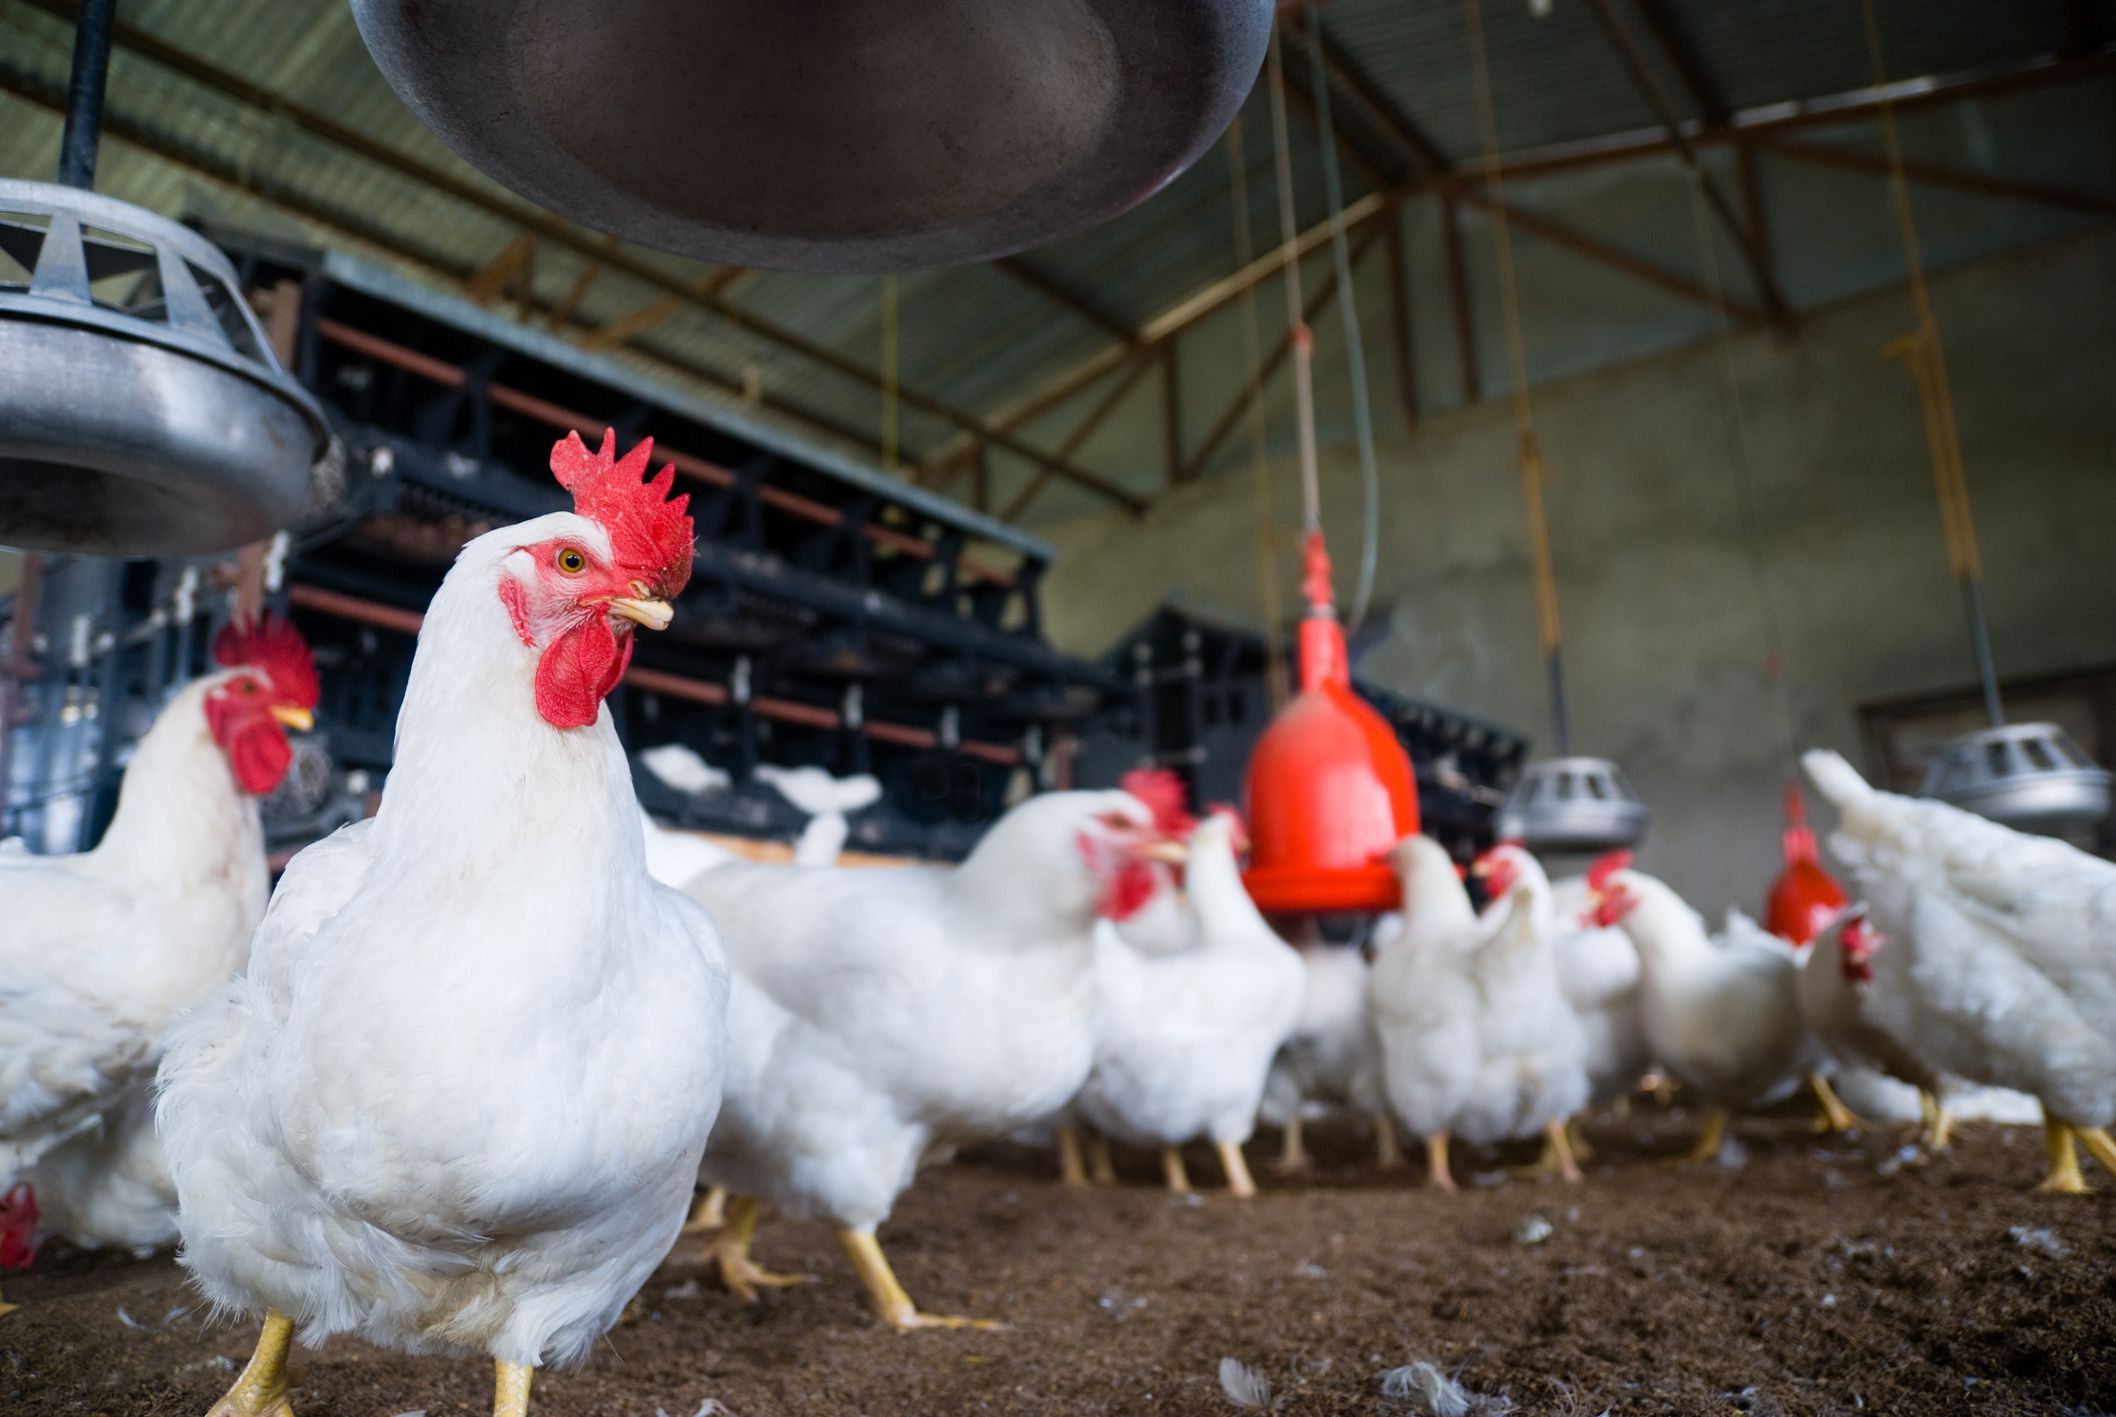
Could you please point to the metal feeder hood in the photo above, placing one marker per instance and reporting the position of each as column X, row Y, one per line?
column 2026, row 775
column 142, row 412
column 825, row 135
column 1573, row 804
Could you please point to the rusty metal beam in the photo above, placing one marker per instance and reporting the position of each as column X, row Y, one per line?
column 1066, row 299
column 1682, row 56
column 1649, row 87
column 1585, row 245
column 1458, row 299
column 1104, row 406
column 1425, row 156
column 2071, row 199
column 1254, row 386
column 1400, row 323
column 511, row 266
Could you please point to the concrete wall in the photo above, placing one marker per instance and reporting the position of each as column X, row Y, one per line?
column 1664, row 642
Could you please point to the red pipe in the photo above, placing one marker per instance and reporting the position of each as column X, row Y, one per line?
column 450, row 376
column 660, row 681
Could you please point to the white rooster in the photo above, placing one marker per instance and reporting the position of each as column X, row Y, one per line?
column 101, row 952
column 2001, row 966
column 1422, row 1002
column 1327, row 1067
column 884, row 1016
column 458, row 1102
column 1850, row 1017
column 1597, row 967
column 1186, row 1037
column 1721, row 1014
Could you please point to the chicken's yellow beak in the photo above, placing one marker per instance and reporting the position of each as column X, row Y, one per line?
column 291, row 717
column 654, row 614
column 1168, row 853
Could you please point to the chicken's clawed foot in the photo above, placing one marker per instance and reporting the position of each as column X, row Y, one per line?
column 709, row 1214
column 1174, row 1172
column 260, row 1389
column 1436, row 1163
column 1709, row 1143
column 1293, row 1149
column 1836, row 1117
column 891, row 1304
column 1240, row 1184
column 2100, row 1146
column 2064, row 1177
column 739, row 1274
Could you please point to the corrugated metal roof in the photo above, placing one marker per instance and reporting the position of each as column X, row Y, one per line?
column 981, row 338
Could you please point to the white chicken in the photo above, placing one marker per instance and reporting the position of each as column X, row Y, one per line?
column 109, row 1186
column 1185, row 1037
column 1839, row 1003
column 1476, row 1038
column 1598, row 970
column 883, row 1016
column 101, row 952
column 1327, row 1066
column 828, row 801
column 458, row 1101
column 2001, row 962
column 1721, row 1014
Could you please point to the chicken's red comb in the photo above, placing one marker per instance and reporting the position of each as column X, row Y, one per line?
column 650, row 531
column 1599, row 873
column 1164, row 795
column 275, row 649
column 18, row 1227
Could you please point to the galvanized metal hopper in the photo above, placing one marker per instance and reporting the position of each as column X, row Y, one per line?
column 1573, row 804
column 2026, row 775
column 142, row 412
column 827, row 135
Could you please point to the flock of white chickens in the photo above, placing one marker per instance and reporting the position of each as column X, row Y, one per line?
column 455, row 1088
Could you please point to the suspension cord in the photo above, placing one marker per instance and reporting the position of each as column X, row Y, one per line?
column 1268, row 590
column 1921, row 351
column 1547, row 624
column 1355, row 345
column 889, row 367
column 1739, row 460
column 1296, row 324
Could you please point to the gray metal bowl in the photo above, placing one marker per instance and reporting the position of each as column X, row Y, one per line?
column 825, row 135
column 1573, row 804
column 141, row 410
column 2026, row 775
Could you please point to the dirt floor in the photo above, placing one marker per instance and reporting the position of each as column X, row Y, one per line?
column 1814, row 1276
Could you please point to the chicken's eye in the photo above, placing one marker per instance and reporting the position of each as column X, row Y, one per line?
column 249, row 686
column 571, row 561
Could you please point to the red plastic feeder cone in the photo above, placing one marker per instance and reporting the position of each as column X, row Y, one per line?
column 1805, row 897
column 1330, row 788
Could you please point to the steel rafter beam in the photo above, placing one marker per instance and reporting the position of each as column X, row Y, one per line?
column 1649, row 87
column 1682, row 56
column 1066, row 299
column 1082, row 431
column 1931, row 174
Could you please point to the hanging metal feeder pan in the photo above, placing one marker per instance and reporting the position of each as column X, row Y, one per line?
column 2025, row 775
column 141, row 410
column 1573, row 804
column 829, row 135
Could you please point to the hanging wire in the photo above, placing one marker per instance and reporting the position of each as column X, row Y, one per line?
column 1268, row 590
column 1296, row 325
column 1738, row 458
column 889, row 398
column 1355, row 346
column 1547, row 625
column 1921, row 350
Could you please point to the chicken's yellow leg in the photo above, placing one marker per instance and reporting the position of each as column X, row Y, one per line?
column 1714, row 1137
column 1939, row 1121
column 1561, row 1153
column 1172, row 1170
column 1836, row 1117
column 709, row 1214
column 2064, row 1178
column 1240, row 1184
column 1436, row 1162
column 510, row 1389
column 1072, row 1170
column 1293, row 1149
column 7, row 1308
column 2100, row 1146
column 730, row 1253
column 1100, row 1169
column 1388, row 1154
column 260, row 1389
column 1576, row 1133
column 891, row 1304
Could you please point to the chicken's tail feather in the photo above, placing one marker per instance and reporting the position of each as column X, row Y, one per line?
column 1835, row 778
